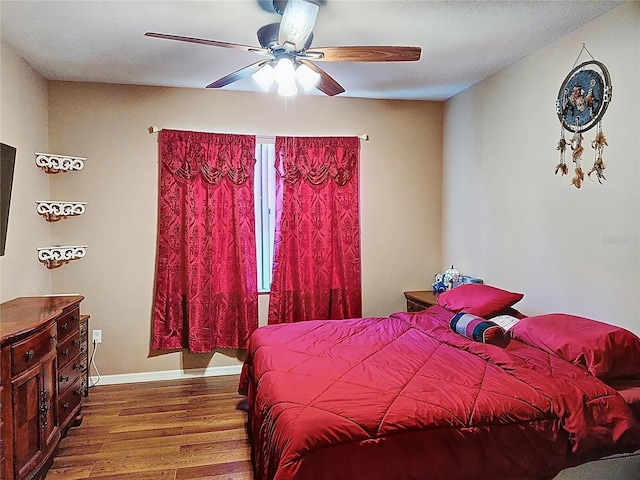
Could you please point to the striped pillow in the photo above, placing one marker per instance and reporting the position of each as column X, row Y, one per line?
column 479, row 330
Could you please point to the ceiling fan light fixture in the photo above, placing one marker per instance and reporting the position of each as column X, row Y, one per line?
column 287, row 88
column 307, row 77
column 284, row 70
column 297, row 23
column 264, row 77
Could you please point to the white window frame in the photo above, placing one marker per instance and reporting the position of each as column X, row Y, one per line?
column 264, row 197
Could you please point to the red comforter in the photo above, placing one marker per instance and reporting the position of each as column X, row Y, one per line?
column 404, row 397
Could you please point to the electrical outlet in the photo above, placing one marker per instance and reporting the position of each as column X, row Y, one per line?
column 97, row 336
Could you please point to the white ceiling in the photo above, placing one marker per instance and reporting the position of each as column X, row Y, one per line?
column 462, row 42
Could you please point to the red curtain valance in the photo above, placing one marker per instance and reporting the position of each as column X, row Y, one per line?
column 212, row 156
column 317, row 159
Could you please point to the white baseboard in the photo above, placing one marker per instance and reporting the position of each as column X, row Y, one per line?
column 164, row 375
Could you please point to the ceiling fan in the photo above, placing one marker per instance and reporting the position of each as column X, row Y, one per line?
column 290, row 57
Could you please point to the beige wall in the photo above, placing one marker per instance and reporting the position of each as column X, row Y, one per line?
column 400, row 196
column 23, row 124
column 508, row 219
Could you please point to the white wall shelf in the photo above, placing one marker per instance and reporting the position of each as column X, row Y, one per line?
column 53, row 163
column 52, row 211
column 56, row 256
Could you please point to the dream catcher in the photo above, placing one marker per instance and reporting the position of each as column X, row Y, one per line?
column 582, row 100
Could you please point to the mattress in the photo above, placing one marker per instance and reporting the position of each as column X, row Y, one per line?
column 629, row 389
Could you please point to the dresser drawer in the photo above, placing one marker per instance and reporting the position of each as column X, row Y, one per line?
column 85, row 384
column 413, row 306
column 69, row 402
column 69, row 348
column 84, row 324
column 84, row 351
column 29, row 352
column 84, row 338
column 68, row 323
column 70, row 373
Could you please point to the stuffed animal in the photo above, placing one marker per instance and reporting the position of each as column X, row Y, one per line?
column 439, row 286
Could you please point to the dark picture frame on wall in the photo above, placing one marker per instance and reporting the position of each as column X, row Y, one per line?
column 7, row 166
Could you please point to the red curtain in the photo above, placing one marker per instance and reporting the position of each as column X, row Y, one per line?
column 206, row 294
column 316, row 264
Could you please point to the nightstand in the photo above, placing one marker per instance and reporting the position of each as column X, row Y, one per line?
column 420, row 299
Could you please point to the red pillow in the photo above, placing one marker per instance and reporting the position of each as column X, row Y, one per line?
column 478, row 299
column 605, row 350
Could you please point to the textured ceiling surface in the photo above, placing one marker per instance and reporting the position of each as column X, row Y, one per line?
column 462, row 42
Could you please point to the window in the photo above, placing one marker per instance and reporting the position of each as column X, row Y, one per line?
column 265, row 201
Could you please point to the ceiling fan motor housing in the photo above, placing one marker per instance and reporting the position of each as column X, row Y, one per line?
column 268, row 37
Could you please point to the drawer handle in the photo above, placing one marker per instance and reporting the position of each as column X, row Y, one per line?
column 54, row 336
column 80, row 391
column 65, row 352
column 76, row 318
column 64, row 326
column 30, row 354
column 76, row 342
column 65, row 405
column 80, row 367
column 64, row 379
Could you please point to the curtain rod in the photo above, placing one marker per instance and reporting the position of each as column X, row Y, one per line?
column 156, row 129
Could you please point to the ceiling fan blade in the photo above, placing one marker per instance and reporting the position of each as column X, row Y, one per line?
column 202, row 41
column 327, row 84
column 238, row 74
column 365, row 54
column 297, row 23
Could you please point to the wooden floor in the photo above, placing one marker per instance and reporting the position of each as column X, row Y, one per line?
column 169, row 430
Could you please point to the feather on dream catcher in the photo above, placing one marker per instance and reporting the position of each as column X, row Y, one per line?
column 582, row 100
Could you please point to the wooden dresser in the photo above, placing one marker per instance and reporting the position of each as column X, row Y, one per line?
column 43, row 378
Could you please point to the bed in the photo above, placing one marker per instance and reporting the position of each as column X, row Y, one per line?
column 410, row 397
